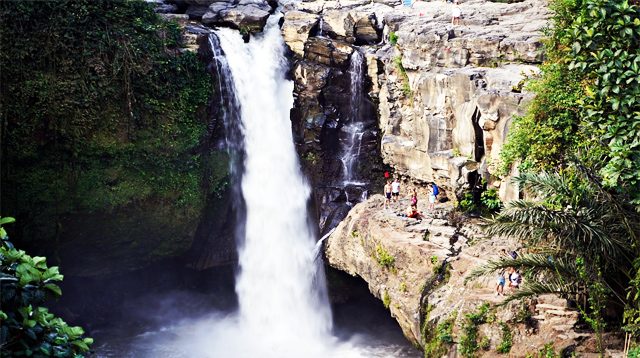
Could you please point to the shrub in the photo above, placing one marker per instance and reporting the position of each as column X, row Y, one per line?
column 384, row 258
column 469, row 340
column 393, row 38
column 386, row 300
column 505, row 346
column 490, row 200
column 27, row 329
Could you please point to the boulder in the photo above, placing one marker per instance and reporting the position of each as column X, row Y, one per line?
column 296, row 29
column 246, row 16
column 327, row 51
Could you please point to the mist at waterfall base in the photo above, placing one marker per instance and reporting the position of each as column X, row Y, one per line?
column 283, row 310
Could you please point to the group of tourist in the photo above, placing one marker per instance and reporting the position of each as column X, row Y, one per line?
column 511, row 276
column 392, row 195
column 456, row 12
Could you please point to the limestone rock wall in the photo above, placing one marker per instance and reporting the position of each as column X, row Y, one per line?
column 401, row 259
column 445, row 95
column 448, row 93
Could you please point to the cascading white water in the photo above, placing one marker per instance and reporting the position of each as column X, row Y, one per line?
column 283, row 310
column 275, row 286
column 355, row 128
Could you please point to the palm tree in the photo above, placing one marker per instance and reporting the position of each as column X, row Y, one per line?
column 579, row 240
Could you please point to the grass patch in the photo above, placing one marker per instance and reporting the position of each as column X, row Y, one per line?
column 384, row 258
column 438, row 341
column 393, row 38
column 386, row 300
column 406, row 88
column 468, row 344
column 507, row 339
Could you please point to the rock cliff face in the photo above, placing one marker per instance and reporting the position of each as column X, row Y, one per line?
column 403, row 262
column 445, row 94
column 334, row 117
column 448, row 93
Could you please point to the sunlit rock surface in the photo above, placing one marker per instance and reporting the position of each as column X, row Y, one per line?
column 445, row 94
column 401, row 259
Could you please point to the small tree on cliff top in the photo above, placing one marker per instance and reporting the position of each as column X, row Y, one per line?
column 26, row 328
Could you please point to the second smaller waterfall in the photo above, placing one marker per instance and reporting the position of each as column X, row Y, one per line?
column 354, row 129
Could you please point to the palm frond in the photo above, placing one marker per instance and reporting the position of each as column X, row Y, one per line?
column 551, row 286
column 538, row 263
column 546, row 185
column 580, row 228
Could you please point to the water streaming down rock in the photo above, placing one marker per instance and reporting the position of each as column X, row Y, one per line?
column 229, row 113
column 353, row 133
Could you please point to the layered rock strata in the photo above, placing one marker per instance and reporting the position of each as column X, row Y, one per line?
column 402, row 261
column 445, row 94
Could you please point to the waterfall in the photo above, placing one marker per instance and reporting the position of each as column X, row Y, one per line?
column 275, row 287
column 229, row 113
column 354, row 130
column 356, row 73
column 283, row 307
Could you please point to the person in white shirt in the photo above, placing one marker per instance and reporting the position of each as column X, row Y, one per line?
column 456, row 14
column 395, row 190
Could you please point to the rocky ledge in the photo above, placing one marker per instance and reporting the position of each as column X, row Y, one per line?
column 402, row 261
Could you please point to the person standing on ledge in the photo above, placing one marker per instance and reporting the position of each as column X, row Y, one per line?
column 387, row 195
column 456, row 14
column 435, row 190
column 395, row 189
column 432, row 198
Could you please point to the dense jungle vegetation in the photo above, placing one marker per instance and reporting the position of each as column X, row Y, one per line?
column 578, row 152
column 102, row 114
column 103, row 124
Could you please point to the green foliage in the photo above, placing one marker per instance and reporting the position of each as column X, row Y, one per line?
column 524, row 314
column 393, row 38
column 384, row 258
column 602, row 43
column 26, row 328
column 406, row 88
column 578, row 238
column 490, row 200
column 434, row 259
column 468, row 344
column 439, row 340
column 484, row 344
column 634, row 352
column 632, row 309
column 467, row 203
column 507, row 339
column 311, row 158
column 386, row 299
column 548, row 352
column 587, row 96
column 100, row 111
